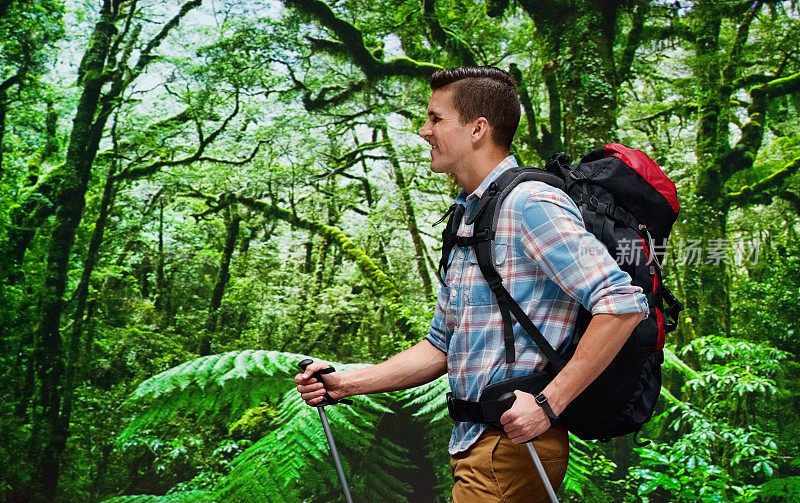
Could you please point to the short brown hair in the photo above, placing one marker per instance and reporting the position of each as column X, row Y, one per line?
column 483, row 91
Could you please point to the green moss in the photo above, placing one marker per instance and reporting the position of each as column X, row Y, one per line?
column 255, row 423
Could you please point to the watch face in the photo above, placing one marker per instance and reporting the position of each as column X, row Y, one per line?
column 540, row 398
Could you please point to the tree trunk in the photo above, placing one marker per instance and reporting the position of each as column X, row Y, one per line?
column 74, row 359
column 411, row 219
column 160, row 289
column 50, row 431
column 2, row 127
column 224, row 276
column 584, row 67
column 707, row 299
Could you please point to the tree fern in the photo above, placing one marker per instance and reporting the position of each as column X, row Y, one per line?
column 292, row 463
column 297, row 450
column 231, row 382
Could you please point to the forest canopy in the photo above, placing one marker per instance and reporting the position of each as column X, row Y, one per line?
column 195, row 195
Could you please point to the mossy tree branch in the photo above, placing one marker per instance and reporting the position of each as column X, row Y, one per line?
column 353, row 40
column 447, row 39
column 633, row 41
column 387, row 289
column 322, row 101
column 763, row 191
column 133, row 173
column 743, row 154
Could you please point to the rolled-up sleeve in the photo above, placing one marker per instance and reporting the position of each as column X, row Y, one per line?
column 554, row 236
column 437, row 334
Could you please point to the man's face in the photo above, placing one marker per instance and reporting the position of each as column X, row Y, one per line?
column 450, row 140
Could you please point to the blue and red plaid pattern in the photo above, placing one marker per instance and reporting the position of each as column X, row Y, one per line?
column 550, row 264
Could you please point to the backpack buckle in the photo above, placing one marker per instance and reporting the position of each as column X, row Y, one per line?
column 484, row 235
column 496, row 286
column 577, row 175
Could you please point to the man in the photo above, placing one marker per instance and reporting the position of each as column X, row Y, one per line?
column 473, row 114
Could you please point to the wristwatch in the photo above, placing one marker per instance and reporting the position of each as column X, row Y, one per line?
column 542, row 401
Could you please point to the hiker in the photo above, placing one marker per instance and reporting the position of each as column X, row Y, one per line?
column 539, row 250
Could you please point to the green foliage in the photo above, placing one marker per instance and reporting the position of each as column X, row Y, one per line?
column 294, row 446
column 254, row 423
column 181, row 497
column 722, row 448
column 298, row 451
column 231, row 382
column 586, row 473
column 780, row 490
column 324, row 262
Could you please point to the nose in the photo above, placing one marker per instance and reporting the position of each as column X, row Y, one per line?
column 425, row 132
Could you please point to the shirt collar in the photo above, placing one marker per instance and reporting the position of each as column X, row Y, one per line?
column 506, row 164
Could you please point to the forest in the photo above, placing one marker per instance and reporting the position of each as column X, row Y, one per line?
column 195, row 195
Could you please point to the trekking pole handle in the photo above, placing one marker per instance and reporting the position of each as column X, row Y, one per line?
column 326, row 400
column 508, row 399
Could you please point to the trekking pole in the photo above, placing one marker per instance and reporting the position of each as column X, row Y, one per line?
column 508, row 400
column 327, row 400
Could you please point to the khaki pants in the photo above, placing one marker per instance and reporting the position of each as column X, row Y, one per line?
column 496, row 470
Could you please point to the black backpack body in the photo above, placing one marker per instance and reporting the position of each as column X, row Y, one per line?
column 628, row 203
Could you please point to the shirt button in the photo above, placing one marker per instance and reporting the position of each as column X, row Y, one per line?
column 455, row 293
column 461, row 254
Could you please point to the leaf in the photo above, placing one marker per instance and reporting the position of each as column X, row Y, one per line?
column 178, row 497
column 228, row 383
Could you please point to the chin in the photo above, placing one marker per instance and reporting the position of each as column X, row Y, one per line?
column 438, row 167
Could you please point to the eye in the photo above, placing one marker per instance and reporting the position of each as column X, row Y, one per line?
column 436, row 119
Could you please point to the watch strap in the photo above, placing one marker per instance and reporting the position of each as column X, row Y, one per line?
column 542, row 401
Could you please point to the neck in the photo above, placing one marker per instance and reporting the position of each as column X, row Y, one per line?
column 482, row 164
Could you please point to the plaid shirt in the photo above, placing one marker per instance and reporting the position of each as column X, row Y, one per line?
column 540, row 252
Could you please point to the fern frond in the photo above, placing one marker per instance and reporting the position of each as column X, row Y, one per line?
column 231, row 382
column 293, row 462
column 430, row 398
column 181, row 497
column 584, row 461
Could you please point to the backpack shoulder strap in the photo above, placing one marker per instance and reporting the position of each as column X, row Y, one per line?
column 449, row 238
column 485, row 218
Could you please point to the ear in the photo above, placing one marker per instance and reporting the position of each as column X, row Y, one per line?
column 480, row 129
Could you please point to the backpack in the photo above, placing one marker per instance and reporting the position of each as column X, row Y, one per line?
column 626, row 201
